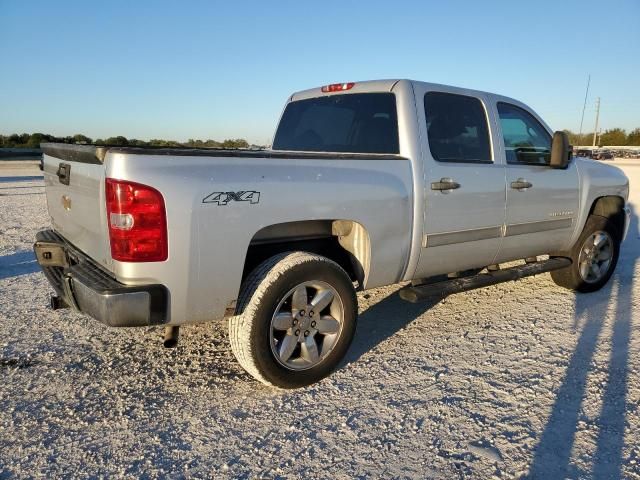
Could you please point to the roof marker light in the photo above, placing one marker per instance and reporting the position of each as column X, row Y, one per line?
column 338, row 87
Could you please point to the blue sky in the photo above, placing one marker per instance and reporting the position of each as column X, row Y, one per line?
column 188, row 69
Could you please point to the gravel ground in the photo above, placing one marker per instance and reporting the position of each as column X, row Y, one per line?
column 518, row 380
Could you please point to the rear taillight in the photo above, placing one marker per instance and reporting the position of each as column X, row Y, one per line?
column 137, row 222
column 338, row 87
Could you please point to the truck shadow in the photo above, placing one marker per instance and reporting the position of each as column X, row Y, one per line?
column 552, row 455
column 371, row 331
column 19, row 263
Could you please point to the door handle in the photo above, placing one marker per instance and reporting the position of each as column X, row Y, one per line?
column 444, row 185
column 521, row 184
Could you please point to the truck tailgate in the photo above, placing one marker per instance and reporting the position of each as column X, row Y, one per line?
column 74, row 179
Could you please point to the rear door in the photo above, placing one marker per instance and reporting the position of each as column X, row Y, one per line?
column 464, row 184
column 542, row 202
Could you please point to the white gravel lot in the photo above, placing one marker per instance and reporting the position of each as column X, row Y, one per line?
column 518, row 380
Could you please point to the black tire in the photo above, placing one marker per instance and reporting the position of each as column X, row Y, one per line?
column 250, row 330
column 570, row 276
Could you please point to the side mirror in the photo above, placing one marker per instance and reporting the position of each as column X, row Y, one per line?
column 560, row 150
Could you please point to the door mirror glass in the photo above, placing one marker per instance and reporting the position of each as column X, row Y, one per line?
column 560, row 150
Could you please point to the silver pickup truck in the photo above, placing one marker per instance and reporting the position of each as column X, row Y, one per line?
column 367, row 184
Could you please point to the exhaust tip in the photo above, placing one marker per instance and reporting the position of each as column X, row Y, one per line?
column 171, row 335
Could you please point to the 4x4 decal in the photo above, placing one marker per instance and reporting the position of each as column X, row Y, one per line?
column 223, row 198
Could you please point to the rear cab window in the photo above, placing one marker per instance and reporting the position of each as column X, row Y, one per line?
column 349, row 123
column 457, row 128
column 526, row 141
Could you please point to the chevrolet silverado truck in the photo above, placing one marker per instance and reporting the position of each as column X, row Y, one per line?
column 366, row 184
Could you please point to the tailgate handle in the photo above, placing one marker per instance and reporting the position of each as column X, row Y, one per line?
column 64, row 173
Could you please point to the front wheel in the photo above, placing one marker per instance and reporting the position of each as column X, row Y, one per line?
column 594, row 257
column 295, row 319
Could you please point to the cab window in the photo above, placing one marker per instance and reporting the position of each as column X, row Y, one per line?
column 352, row 123
column 526, row 141
column 457, row 128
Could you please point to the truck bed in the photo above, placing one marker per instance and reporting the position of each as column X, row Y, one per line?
column 210, row 222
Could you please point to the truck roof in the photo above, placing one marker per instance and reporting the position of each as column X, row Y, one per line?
column 388, row 85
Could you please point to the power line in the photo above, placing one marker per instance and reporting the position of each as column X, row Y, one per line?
column 595, row 130
column 584, row 105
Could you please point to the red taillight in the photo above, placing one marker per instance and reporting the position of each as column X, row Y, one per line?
column 338, row 87
column 137, row 222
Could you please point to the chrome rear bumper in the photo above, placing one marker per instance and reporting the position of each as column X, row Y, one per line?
column 86, row 287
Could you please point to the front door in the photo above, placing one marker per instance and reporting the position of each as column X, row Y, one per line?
column 542, row 202
column 464, row 185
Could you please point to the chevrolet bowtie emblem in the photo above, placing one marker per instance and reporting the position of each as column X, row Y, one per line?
column 66, row 202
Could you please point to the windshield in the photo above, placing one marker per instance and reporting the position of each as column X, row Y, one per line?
column 354, row 123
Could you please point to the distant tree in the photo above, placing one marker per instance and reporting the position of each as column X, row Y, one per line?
column 235, row 143
column 164, row 143
column 615, row 136
column 195, row 143
column 81, row 139
column 35, row 139
column 579, row 139
column 119, row 141
column 634, row 137
column 14, row 140
column 573, row 137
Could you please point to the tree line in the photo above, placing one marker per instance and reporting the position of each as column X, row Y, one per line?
column 33, row 140
column 614, row 136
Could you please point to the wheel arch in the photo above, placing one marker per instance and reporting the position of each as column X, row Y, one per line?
column 611, row 207
column 346, row 242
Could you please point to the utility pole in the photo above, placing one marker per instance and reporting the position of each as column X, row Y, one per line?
column 595, row 130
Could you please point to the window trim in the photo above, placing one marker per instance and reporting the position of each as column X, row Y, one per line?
column 504, row 145
column 491, row 161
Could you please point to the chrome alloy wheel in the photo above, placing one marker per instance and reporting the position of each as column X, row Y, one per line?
column 306, row 325
column 595, row 256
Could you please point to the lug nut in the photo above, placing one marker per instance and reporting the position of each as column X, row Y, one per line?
column 302, row 313
column 297, row 332
column 306, row 333
column 295, row 321
column 311, row 313
column 313, row 324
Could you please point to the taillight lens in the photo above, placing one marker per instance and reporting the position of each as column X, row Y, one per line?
column 137, row 222
column 338, row 87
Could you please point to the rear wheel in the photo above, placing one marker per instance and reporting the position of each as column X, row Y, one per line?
column 295, row 320
column 594, row 257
